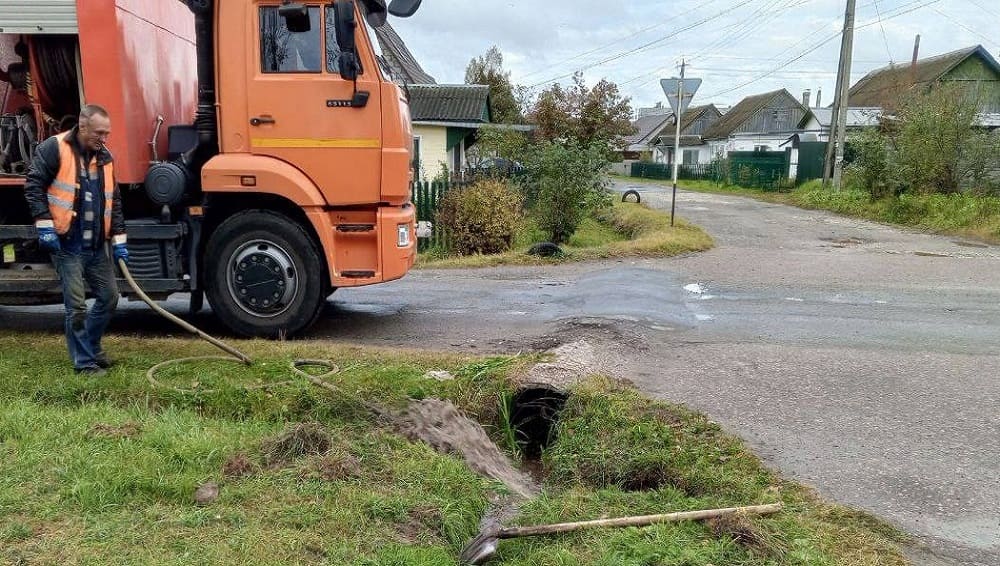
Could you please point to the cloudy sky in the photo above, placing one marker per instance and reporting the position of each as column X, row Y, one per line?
column 738, row 47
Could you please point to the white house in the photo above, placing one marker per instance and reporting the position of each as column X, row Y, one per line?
column 757, row 123
column 694, row 123
column 445, row 121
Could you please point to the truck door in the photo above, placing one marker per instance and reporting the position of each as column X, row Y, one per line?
column 295, row 98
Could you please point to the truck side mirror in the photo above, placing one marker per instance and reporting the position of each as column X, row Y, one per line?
column 296, row 16
column 347, row 23
column 404, row 8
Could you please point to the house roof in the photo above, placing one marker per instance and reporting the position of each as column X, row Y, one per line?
column 856, row 116
column 646, row 128
column 402, row 65
column 740, row 113
column 874, row 87
column 690, row 115
column 449, row 103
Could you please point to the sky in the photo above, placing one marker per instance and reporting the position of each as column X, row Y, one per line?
column 737, row 47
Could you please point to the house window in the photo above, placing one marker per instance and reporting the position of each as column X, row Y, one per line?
column 761, row 148
column 284, row 51
column 690, row 157
column 416, row 158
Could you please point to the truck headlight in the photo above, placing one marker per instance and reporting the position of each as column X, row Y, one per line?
column 403, row 235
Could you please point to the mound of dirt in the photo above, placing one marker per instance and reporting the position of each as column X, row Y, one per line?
column 440, row 424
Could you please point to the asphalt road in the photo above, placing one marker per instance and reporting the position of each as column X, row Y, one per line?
column 857, row 358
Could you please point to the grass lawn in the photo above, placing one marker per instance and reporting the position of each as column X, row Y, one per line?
column 625, row 230
column 104, row 470
column 963, row 215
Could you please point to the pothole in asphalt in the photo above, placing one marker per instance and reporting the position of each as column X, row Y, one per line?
column 837, row 242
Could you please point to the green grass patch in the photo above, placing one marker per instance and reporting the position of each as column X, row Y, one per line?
column 100, row 470
column 624, row 230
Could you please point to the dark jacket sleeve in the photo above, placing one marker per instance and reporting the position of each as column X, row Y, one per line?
column 117, row 216
column 43, row 170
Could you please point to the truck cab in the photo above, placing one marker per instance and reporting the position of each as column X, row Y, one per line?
column 262, row 153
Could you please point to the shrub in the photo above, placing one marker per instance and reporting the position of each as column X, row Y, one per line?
column 482, row 218
column 565, row 182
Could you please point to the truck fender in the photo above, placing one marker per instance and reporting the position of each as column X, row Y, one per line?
column 255, row 174
column 242, row 173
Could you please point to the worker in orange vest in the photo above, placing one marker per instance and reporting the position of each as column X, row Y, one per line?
column 72, row 195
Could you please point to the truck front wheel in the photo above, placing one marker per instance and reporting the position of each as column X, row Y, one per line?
column 263, row 275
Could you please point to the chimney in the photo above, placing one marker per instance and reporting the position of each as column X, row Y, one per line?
column 819, row 94
column 805, row 97
column 913, row 62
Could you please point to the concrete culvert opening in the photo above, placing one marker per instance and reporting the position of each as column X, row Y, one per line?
column 534, row 414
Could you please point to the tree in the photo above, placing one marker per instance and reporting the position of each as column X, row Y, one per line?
column 488, row 70
column 564, row 182
column 598, row 115
column 938, row 146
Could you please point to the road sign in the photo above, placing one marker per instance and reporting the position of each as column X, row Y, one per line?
column 670, row 89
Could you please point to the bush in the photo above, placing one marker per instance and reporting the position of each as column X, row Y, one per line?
column 565, row 182
column 482, row 218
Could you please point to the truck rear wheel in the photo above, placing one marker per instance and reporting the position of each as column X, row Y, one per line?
column 263, row 275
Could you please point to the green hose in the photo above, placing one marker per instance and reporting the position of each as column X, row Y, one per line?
column 236, row 354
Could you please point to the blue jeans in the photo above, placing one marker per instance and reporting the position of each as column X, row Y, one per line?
column 84, row 330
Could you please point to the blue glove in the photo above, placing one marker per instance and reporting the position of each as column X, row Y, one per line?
column 48, row 240
column 120, row 252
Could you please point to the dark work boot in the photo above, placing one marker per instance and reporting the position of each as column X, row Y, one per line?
column 93, row 371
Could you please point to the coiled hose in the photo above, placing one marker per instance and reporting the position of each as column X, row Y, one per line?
column 236, row 355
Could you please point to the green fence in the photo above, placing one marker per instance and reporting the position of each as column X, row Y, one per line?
column 703, row 171
column 758, row 169
column 811, row 156
column 426, row 196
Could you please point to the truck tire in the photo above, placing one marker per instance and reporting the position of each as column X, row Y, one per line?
column 263, row 275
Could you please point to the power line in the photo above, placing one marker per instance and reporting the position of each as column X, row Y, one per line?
column 965, row 27
column 885, row 39
column 985, row 9
column 612, row 43
column 900, row 11
column 743, row 26
column 647, row 45
column 821, row 43
column 655, row 73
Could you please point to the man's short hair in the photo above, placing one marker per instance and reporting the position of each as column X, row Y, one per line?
column 91, row 110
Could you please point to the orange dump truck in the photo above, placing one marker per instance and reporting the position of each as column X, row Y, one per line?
column 263, row 155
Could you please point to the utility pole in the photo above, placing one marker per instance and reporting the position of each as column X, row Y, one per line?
column 844, row 74
column 677, row 138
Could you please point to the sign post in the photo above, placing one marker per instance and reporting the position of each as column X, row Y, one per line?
column 679, row 94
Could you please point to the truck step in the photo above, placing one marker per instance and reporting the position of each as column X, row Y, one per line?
column 358, row 274
column 355, row 227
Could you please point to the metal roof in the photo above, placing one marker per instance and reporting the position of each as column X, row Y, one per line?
column 449, row 103
column 881, row 86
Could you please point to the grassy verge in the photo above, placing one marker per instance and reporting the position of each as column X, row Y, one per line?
column 105, row 470
column 624, row 230
column 964, row 215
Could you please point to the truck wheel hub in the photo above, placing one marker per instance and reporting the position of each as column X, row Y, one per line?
column 262, row 278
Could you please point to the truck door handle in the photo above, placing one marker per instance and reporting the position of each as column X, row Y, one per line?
column 260, row 120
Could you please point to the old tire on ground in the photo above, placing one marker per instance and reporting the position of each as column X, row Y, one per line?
column 631, row 192
column 545, row 249
column 263, row 275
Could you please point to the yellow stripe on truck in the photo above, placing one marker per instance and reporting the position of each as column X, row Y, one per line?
column 316, row 142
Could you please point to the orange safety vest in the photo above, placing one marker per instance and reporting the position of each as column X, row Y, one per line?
column 62, row 193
